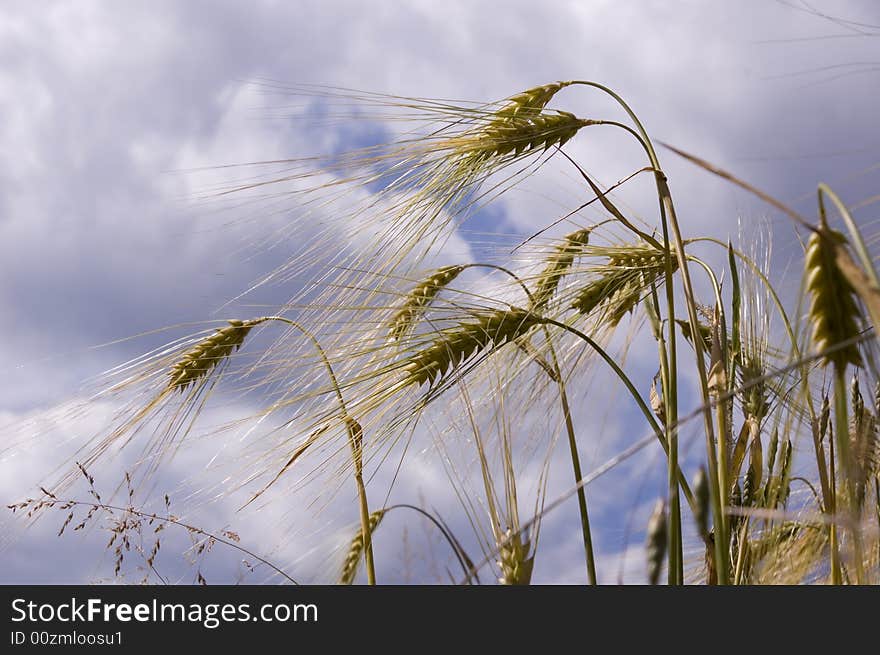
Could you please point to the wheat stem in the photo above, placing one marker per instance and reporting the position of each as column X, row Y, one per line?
column 670, row 221
column 672, row 469
column 576, row 467
column 586, row 532
column 630, row 387
column 845, row 468
column 355, row 439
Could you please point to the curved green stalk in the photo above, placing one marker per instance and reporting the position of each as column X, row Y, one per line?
column 587, row 534
column 576, row 466
column 833, row 537
column 355, row 439
column 670, row 221
column 646, row 411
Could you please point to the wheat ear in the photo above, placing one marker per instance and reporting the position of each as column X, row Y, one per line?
column 558, row 265
column 531, row 101
column 518, row 135
column 356, row 548
column 628, row 272
column 209, row 353
column 834, row 311
column 514, row 559
column 419, row 298
column 458, row 344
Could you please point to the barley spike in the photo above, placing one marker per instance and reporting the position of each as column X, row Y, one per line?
column 834, row 311
column 209, row 353
column 457, row 344
column 656, row 542
column 419, row 298
column 356, row 549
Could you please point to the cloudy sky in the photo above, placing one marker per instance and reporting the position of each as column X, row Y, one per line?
column 106, row 106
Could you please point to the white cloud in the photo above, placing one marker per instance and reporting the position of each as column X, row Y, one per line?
column 100, row 101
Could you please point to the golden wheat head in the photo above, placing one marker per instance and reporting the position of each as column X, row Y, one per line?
column 557, row 265
column 618, row 289
column 206, row 355
column 515, row 561
column 834, row 311
column 520, row 135
column 458, row 344
column 531, row 101
column 419, row 298
column 356, row 549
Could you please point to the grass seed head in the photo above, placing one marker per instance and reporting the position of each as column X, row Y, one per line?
column 657, row 404
column 771, row 450
column 515, row 561
column 522, row 125
column 557, row 265
column 621, row 283
column 530, row 102
column 785, row 474
column 456, row 345
column 864, row 443
column 754, row 396
column 356, row 549
column 834, row 311
column 520, row 135
column 419, row 298
column 209, row 353
column 824, row 417
column 655, row 545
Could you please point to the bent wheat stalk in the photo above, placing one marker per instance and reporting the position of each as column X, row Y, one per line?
column 669, row 221
column 201, row 360
column 356, row 442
